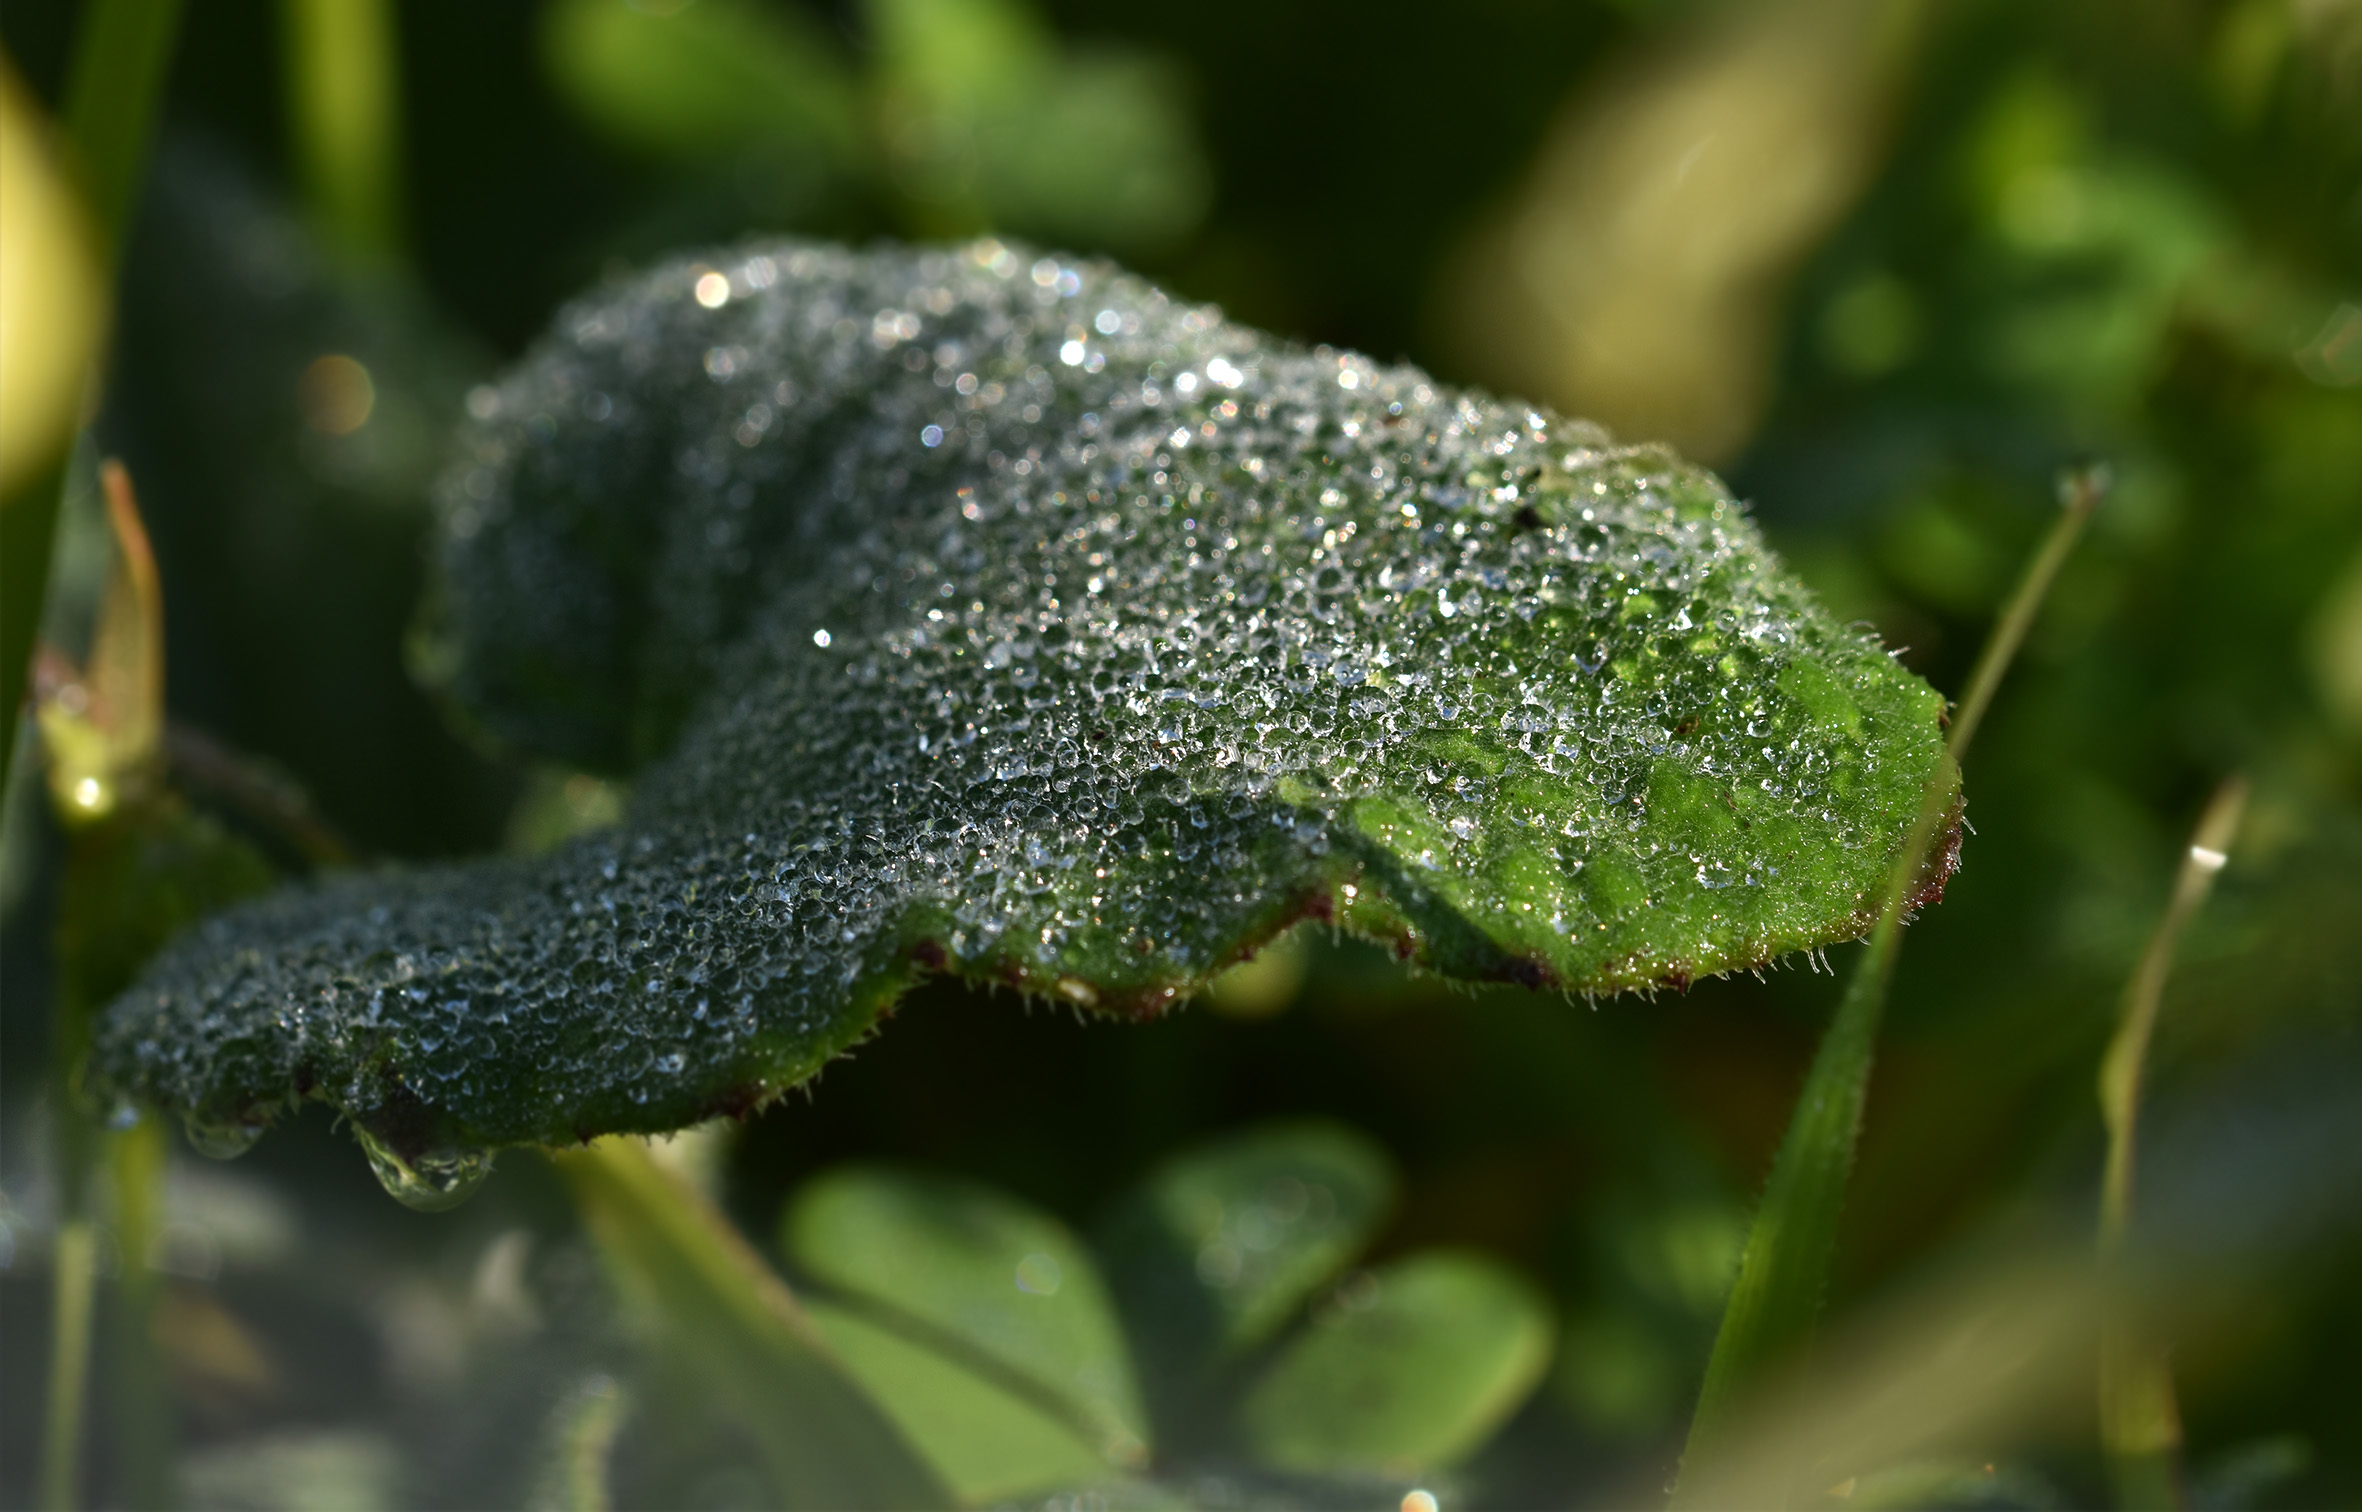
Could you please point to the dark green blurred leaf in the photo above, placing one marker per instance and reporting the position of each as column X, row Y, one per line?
column 1402, row 1369
column 1220, row 1246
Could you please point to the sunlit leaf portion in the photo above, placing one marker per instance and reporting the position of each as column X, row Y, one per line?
column 978, row 1272
column 1406, row 1368
column 996, row 614
column 986, row 1442
column 703, row 78
column 959, row 114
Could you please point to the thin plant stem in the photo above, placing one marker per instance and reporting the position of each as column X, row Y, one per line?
column 142, row 1395
column 2140, row 1424
column 206, row 767
column 2080, row 492
column 74, row 1259
column 1784, row 1268
column 74, row 1274
column 344, row 117
column 574, row 1476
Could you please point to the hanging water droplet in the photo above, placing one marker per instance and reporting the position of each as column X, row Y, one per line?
column 225, row 1140
column 431, row 1181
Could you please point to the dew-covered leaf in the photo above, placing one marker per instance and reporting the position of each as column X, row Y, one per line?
column 984, row 1274
column 991, row 613
column 1405, row 1368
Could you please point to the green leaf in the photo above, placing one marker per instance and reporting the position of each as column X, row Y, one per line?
column 986, row 113
column 1406, row 1368
column 984, row 1276
column 691, row 80
column 1220, row 1246
column 998, row 615
column 713, row 1304
column 987, row 1443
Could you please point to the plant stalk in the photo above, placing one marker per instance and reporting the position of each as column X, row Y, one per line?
column 73, row 1266
column 1784, row 1268
column 344, row 117
column 2140, row 1424
column 142, row 1394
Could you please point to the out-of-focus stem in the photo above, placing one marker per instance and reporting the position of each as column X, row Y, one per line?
column 142, row 1396
column 73, row 1264
column 2140, row 1424
column 2080, row 492
column 344, row 117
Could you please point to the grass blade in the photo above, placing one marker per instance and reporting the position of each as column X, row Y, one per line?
column 1784, row 1269
column 121, row 59
column 2140, row 1425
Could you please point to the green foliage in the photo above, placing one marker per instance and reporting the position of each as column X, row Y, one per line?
column 2121, row 230
column 1018, row 622
column 1411, row 1366
column 1219, row 1247
column 984, row 1275
column 970, row 114
column 983, row 1328
column 731, row 1328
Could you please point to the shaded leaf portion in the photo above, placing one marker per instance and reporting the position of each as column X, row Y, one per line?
column 1407, row 1368
column 981, row 1273
column 997, row 614
column 1220, row 1246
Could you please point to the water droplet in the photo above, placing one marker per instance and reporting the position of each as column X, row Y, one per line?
column 226, row 1140
column 433, row 1181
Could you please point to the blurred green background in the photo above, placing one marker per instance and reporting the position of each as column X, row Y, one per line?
column 1887, row 266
